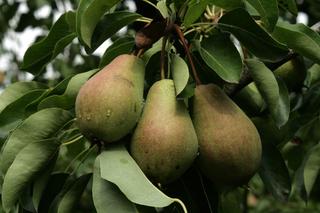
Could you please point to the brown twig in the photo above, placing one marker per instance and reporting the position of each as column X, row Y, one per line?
column 162, row 57
column 185, row 46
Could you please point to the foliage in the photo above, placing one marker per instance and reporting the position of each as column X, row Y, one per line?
column 47, row 165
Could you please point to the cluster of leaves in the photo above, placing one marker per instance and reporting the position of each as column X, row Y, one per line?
column 47, row 166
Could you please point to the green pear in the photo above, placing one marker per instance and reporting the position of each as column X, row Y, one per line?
column 109, row 104
column 293, row 73
column 164, row 144
column 229, row 143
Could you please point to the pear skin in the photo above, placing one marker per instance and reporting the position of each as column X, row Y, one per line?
column 164, row 144
column 109, row 104
column 229, row 143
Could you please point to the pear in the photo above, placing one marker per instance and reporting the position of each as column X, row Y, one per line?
column 109, row 104
column 293, row 73
column 229, row 143
column 164, row 144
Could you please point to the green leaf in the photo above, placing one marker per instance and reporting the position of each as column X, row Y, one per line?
column 313, row 75
column 120, row 46
column 118, row 167
column 273, row 170
column 31, row 159
column 228, row 5
column 40, row 183
column 283, row 110
column 300, row 38
column 67, row 99
column 88, row 15
column 163, row 9
column 289, row 5
column 39, row 126
column 73, row 195
column 221, row 55
column 311, row 169
column 180, row 73
column 42, row 52
column 52, row 188
column 17, row 90
column 252, row 36
column 12, row 115
column 268, row 10
column 106, row 196
column 231, row 201
column 268, row 87
column 109, row 25
column 194, row 11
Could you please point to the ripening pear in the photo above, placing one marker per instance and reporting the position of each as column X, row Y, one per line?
column 109, row 104
column 293, row 73
column 229, row 143
column 164, row 144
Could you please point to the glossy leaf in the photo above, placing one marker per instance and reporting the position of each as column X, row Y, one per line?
column 194, row 11
column 14, row 113
column 30, row 160
column 221, row 55
column 73, row 195
column 88, row 15
column 268, row 10
column 106, row 196
column 228, row 5
column 109, row 25
column 283, row 110
column 311, row 169
column 117, row 165
column 252, row 36
column 17, row 90
column 268, row 87
column 289, row 5
column 180, row 73
column 67, row 99
column 46, row 123
column 120, row 46
column 42, row 52
column 300, row 38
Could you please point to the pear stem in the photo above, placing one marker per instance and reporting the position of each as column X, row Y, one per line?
column 186, row 48
column 162, row 57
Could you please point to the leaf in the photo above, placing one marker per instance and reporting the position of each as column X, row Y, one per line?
column 300, row 38
column 67, row 99
column 88, row 15
column 313, row 75
column 274, row 172
column 221, row 55
column 163, row 9
column 120, row 46
column 118, row 167
column 180, row 73
column 194, row 11
column 268, row 10
column 231, row 201
column 228, row 5
column 106, row 196
column 17, row 90
column 109, row 25
column 14, row 113
column 73, row 195
column 289, row 5
column 30, row 160
column 268, row 87
column 39, row 126
column 283, row 110
column 42, row 52
column 252, row 36
column 311, row 169
column 40, row 183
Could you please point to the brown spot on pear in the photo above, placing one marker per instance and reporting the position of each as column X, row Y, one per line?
column 109, row 104
column 229, row 143
column 164, row 144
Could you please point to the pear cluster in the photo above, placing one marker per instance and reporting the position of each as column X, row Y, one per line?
column 166, row 140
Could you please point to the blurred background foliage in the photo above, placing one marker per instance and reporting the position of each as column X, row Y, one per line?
column 23, row 22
